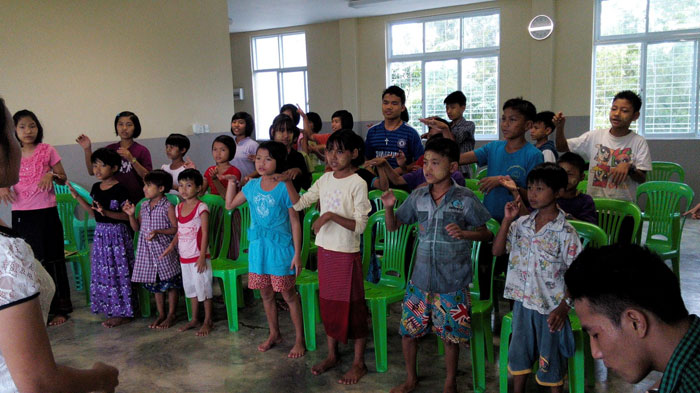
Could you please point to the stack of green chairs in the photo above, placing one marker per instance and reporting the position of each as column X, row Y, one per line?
column 79, row 251
column 392, row 283
column 665, row 203
column 581, row 365
column 663, row 171
column 375, row 198
column 307, row 281
column 75, row 222
column 91, row 221
column 611, row 213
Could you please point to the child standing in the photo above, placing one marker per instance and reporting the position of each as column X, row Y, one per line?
column 542, row 245
column 112, row 257
column 192, row 240
column 242, row 128
column 34, row 213
column 158, row 226
column 577, row 205
column 442, row 271
column 135, row 157
column 176, row 146
column 223, row 149
column 283, row 130
column 275, row 242
column 344, row 207
column 542, row 127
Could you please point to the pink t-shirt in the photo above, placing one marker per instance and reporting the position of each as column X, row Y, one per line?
column 189, row 232
column 29, row 196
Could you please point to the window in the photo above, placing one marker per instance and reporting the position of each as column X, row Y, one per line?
column 651, row 47
column 279, row 76
column 432, row 57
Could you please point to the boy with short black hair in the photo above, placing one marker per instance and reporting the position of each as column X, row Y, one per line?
column 542, row 245
column 542, row 127
column 577, row 205
column 438, row 293
column 176, row 146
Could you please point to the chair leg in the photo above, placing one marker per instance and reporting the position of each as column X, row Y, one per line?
column 188, row 306
column 440, row 346
column 478, row 358
column 85, row 269
column 506, row 330
column 309, row 303
column 577, row 365
column 675, row 262
column 488, row 336
column 231, row 300
column 379, row 331
column 144, row 301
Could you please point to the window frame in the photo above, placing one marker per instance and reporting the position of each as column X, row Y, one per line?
column 280, row 71
column 458, row 55
column 645, row 39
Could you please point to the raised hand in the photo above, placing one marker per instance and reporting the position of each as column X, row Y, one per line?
column 189, row 164
column 559, row 119
column 508, row 183
column 511, row 210
column 97, row 207
column 129, row 208
column 388, row 199
column 84, row 142
column 489, row 183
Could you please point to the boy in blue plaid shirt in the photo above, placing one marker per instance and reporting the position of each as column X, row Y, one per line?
column 438, row 293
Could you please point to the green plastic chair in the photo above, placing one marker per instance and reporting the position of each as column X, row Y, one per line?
column 473, row 169
column 473, row 184
column 664, row 170
column 315, row 176
column 582, row 186
column 375, row 198
column 307, row 282
column 392, row 282
column 581, row 365
column 228, row 270
column 320, row 168
column 665, row 203
column 79, row 252
column 91, row 221
column 611, row 212
column 482, row 173
column 75, row 222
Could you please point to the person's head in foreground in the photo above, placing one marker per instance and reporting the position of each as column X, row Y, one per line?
column 630, row 304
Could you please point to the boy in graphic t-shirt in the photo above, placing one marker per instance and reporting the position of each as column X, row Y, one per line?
column 618, row 158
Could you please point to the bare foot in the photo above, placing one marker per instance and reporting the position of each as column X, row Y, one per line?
column 269, row 343
column 158, row 321
column 353, row 376
column 298, row 350
column 116, row 321
column 205, row 329
column 405, row 387
column 58, row 319
column 167, row 322
column 190, row 325
column 325, row 365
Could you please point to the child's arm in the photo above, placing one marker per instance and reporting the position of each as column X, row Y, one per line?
column 118, row 215
column 296, row 236
column 57, row 174
column 84, row 142
column 293, row 194
column 390, row 220
column 499, row 243
column 166, row 231
column 204, row 246
column 140, row 169
column 560, row 139
column 80, row 200
column 347, row 223
column 480, row 234
column 171, row 247
column 467, row 158
column 233, row 197
column 130, row 211
column 205, row 182
column 694, row 212
column 516, row 192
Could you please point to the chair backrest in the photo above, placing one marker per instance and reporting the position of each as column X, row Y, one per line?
column 219, row 225
column 393, row 260
column 665, row 201
column 60, row 189
column 582, row 186
column 473, row 185
column 611, row 213
column 66, row 204
column 315, row 176
column 307, row 235
column 590, row 234
column 174, row 199
column 493, row 226
column 244, row 212
column 375, row 198
column 482, row 173
column 473, row 169
column 82, row 192
column 664, row 170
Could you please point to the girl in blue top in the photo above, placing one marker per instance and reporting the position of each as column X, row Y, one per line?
column 275, row 241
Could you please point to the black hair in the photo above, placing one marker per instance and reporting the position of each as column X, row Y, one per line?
column 278, row 151
column 444, row 147
column 159, row 178
column 27, row 113
column 134, row 119
column 456, row 97
column 524, row 107
column 349, row 141
column 316, row 122
column 546, row 118
column 295, row 114
column 630, row 96
column 178, row 140
column 4, row 138
column 191, row 174
column 229, row 143
column 346, row 120
column 249, row 122
column 404, row 116
column 574, row 159
column 397, row 91
column 618, row 277
column 549, row 173
column 108, row 157
column 440, row 119
column 283, row 121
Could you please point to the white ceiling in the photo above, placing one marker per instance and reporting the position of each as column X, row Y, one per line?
column 251, row 15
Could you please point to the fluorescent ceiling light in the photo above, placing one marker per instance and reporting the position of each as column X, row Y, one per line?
column 364, row 3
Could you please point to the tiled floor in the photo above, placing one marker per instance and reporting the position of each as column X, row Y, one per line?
column 169, row 361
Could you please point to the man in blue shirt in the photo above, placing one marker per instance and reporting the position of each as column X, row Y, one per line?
column 392, row 135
